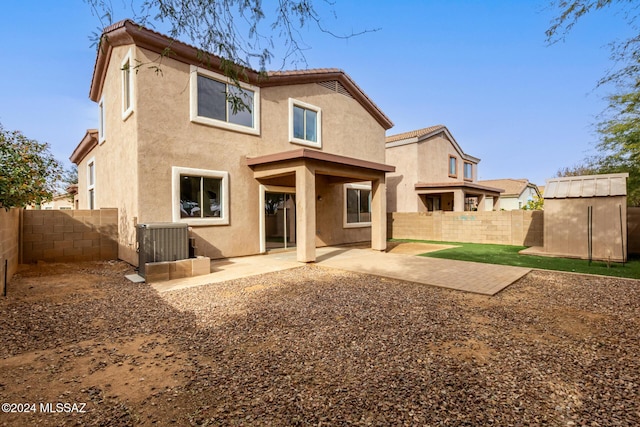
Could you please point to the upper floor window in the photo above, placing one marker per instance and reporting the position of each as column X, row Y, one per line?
column 127, row 86
column 357, row 205
column 91, row 184
column 200, row 197
column 305, row 122
column 453, row 166
column 220, row 103
column 101, row 120
column 468, row 171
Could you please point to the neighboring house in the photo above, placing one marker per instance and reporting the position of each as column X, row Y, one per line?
column 59, row 201
column 517, row 192
column 433, row 174
column 169, row 147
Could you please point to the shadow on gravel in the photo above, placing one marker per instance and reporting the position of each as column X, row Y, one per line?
column 318, row 346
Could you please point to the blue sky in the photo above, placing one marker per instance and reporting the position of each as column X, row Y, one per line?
column 481, row 68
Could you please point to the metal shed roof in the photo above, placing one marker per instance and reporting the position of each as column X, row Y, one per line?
column 587, row 186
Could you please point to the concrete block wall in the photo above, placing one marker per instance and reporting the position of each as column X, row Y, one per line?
column 520, row 228
column 170, row 270
column 9, row 243
column 69, row 235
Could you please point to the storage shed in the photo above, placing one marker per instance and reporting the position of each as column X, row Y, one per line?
column 586, row 217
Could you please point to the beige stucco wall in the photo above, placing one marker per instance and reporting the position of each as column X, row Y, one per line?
column 521, row 228
column 566, row 227
column 116, row 180
column 433, row 155
column 330, row 229
column 401, row 195
column 9, row 243
column 166, row 137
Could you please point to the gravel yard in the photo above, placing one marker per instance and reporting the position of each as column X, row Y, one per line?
column 315, row 346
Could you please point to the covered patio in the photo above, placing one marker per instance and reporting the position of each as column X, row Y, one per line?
column 316, row 178
column 456, row 196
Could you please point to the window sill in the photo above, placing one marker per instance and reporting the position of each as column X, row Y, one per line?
column 127, row 114
column 196, row 222
column 224, row 125
column 357, row 225
column 306, row 143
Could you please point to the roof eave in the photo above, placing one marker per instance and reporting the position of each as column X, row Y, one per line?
column 88, row 143
column 127, row 32
column 340, row 76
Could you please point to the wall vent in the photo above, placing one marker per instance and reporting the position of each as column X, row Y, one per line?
column 336, row 86
column 159, row 242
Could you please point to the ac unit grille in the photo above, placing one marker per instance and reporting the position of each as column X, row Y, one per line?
column 160, row 242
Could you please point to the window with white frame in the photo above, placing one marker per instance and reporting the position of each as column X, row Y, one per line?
column 357, row 205
column 200, row 196
column 216, row 102
column 101, row 120
column 305, row 123
column 453, row 166
column 468, row 171
column 127, row 86
column 91, row 184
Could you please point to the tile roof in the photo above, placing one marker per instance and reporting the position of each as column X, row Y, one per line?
column 128, row 32
column 415, row 133
column 457, row 184
column 512, row 187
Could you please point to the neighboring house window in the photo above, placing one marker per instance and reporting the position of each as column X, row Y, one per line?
column 127, row 86
column 212, row 103
column 200, row 196
column 305, row 124
column 471, row 203
column 433, row 203
column 468, row 171
column 101, row 120
column 453, row 166
column 357, row 205
column 91, row 184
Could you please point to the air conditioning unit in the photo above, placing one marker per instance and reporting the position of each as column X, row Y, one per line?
column 163, row 241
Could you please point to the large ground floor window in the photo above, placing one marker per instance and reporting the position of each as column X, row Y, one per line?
column 357, row 205
column 200, row 196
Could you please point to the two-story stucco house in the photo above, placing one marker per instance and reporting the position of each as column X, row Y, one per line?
column 434, row 174
column 303, row 166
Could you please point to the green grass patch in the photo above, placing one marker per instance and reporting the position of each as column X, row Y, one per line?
column 508, row 255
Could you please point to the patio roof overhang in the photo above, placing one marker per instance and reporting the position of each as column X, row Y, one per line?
column 307, row 154
column 467, row 187
column 342, row 168
column 300, row 169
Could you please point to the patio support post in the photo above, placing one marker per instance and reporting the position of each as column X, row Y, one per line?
column 458, row 201
column 305, row 214
column 482, row 205
column 496, row 203
column 379, row 214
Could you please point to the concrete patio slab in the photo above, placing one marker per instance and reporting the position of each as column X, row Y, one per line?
column 231, row 269
column 486, row 279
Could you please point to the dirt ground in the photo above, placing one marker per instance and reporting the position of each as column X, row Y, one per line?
column 81, row 345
